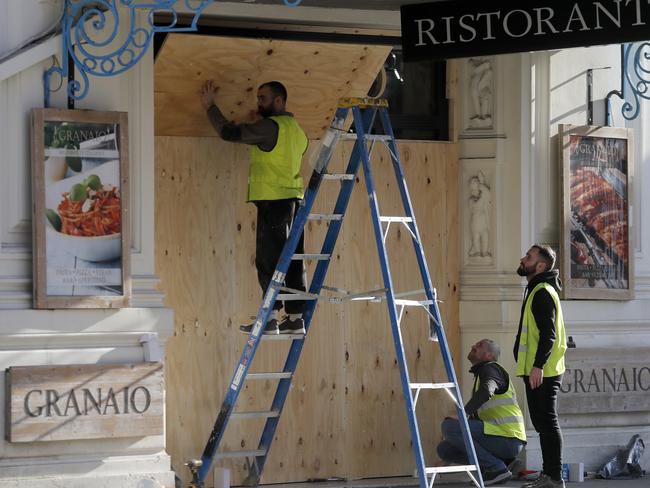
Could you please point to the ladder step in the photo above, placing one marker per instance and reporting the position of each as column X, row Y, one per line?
column 396, row 219
column 283, row 337
column 312, row 257
column 338, row 176
column 368, row 137
column 325, row 217
column 430, row 386
column 450, row 469
column 240, row 454
column 265, row 414
column 269, row 376
column 413, row 303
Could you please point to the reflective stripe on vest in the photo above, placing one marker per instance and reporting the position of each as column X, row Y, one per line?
column 501, row 414
column 529, row 338
column 275, row 174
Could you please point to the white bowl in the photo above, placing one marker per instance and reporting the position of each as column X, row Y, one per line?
column 95, row 249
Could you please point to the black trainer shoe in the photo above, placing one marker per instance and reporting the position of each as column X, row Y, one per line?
column 270, row 329
column 288, row 326
column 494, row 477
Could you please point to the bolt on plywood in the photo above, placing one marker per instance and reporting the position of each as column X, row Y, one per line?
column 316, row 76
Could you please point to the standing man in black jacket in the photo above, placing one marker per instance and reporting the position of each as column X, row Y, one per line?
column 539, row 351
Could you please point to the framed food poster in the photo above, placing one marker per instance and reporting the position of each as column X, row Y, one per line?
column 597, row 260
column 80, row 191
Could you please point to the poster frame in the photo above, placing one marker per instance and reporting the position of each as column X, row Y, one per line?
column 42, row 299
column 572, row 290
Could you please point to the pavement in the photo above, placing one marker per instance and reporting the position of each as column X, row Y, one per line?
column 457, row 480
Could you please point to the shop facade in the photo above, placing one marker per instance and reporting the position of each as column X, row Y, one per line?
column 504, row 154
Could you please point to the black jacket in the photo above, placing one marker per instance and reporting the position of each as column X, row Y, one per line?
column 543, row 309
column 492, row 380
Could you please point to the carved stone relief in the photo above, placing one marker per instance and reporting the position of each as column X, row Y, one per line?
column 479, row 208
column 481, row 93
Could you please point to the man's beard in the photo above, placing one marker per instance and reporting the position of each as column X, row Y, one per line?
column 523, row 271
column 265, row 111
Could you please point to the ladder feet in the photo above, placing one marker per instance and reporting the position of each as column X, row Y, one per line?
column 194, row 465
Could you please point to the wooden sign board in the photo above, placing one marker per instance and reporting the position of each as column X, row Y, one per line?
column 93, row 401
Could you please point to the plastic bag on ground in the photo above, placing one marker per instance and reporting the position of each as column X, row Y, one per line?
column 625, row 464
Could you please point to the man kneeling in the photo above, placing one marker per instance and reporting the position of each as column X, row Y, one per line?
column 495, row 419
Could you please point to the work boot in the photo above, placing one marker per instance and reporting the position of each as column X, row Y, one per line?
column 288, row 326
column 270, row 329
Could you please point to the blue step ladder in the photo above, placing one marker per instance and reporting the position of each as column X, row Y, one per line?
column 364, row 111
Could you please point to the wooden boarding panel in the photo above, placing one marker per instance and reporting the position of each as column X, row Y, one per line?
column 93, row 401
column 316, row 76
column 345, row 413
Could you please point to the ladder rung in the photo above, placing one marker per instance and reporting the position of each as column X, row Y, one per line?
column 283, row 337
column 430, row 386
column 450, row 469
column 312, row 257
column 338, row 176
column 368, row 137
column 413, row 303
column 325, row 216
column 395, row 219
column 269, row 376
column 289, row 297
column 240, row 454
column 264, row 414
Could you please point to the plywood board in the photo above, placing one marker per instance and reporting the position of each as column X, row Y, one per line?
column 345, row 413
column 316, row 76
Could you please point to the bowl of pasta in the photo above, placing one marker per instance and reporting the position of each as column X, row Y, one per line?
column 87, row 221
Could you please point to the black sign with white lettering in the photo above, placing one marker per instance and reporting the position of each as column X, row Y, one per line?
column 459, row 28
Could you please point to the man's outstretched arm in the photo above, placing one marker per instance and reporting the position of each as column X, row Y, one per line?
column 262, row 132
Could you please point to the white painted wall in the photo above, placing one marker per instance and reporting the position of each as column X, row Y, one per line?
column 44, row 337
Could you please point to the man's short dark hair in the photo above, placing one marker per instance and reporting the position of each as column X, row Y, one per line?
column 547, row 254
column 277, row 88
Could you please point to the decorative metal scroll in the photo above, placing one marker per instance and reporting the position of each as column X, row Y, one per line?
column 635, row 80
column 95, row 44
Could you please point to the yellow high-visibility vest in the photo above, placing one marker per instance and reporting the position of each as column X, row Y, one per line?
column 529, row 338
column 501, row 414
column 275, row 174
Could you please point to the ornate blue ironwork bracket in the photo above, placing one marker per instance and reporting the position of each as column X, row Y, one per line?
column 635, row 80
column 94, row 44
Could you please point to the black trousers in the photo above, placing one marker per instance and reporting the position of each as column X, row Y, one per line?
column 274, row 220
column 542, row 405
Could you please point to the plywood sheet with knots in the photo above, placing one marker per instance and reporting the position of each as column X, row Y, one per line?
column 316, row 76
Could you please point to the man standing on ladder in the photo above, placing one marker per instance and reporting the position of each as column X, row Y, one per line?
column 539, row 351
column 496, row 422
column 274, row 186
